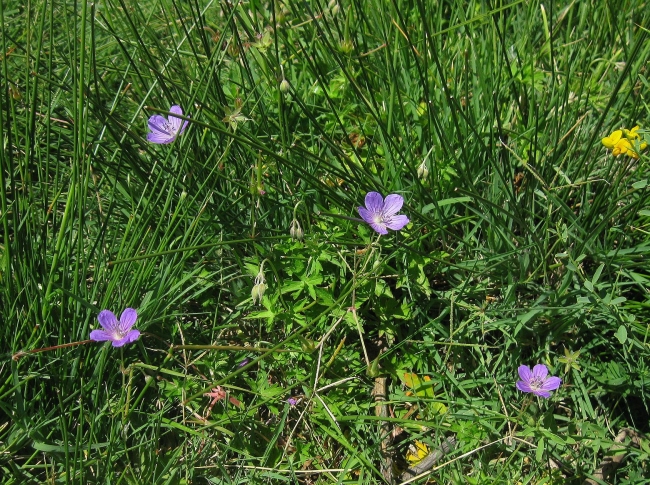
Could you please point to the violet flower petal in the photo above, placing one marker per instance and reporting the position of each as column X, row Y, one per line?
column 374, row 202
column 127, row 319
column 159, row 138
column 540, row 371
column 108, row 321
column 174, row 121
column 552, row 383
column 523, row 386
column 365, row 214
column 379, row 227
column 392, row 205
column 524, row 373
column 100, row 336
column 397, row 222
column 159, row 123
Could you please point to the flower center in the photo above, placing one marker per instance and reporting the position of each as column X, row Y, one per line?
column 118, row 333
column 168, row 127
column 536, row 383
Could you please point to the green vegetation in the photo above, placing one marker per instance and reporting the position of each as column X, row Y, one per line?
column 527, row 241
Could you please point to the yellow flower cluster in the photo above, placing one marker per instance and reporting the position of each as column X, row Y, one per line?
column 621, row 142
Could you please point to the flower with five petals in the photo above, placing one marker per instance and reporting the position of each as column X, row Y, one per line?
column 165, row 130
column 381, row 214
column 118, row 332
column 537, row 381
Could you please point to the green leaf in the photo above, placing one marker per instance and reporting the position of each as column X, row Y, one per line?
column 539, row 453
column 594, row 279
column 528, row 316
column 292, row 286
column 621, row 334
column 261, row 314
column 271, row 391
column 444, row 202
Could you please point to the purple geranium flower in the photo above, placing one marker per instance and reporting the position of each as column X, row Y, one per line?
column 381, row 214
column 165, row 130
column 292, row 401
column 537, row 380
column 118, row 332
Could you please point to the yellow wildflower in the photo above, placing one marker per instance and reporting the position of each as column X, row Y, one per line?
column 620, row 144
column 631, row 134
column 417, row 452
column 624, row 147
column 611, row 140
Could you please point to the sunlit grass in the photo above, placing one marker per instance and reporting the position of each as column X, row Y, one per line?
column 527, row 240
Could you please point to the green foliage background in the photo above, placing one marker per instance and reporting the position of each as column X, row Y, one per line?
column 527, row 240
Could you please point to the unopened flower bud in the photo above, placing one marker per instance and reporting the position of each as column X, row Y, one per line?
column 296, row 231
column 307, row 345
column 423, row 171
column 284, row 86
column 346, row 47
column 374, row 370
column 259, row 279
column 257, row 293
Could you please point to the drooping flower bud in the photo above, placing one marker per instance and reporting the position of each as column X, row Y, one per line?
column 423, row 171
column 284, row 86
column 257, row 293
column 296, row 231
